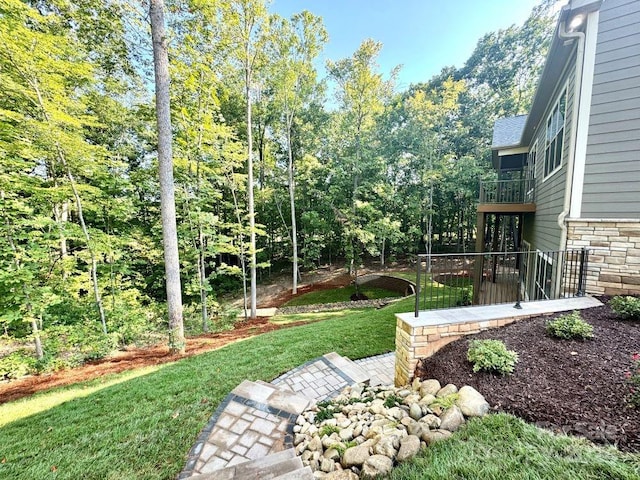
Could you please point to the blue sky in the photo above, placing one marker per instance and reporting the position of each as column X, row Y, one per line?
column 422, row 35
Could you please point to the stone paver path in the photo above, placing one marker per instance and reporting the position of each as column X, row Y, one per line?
column 256, row 419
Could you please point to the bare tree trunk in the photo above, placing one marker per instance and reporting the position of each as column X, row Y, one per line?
column 252, row 215
column 165, row 167
column 292, row 200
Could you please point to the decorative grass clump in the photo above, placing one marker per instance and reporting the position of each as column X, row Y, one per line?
column 570, row 326
column 491, row 356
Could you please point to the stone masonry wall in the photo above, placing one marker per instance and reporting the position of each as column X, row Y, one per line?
column 413, row 343
column 614, row 259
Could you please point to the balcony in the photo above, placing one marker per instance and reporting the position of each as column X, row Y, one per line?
column 507, row 196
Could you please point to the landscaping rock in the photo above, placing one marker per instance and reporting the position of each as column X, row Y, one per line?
column 429, row 387
column 379, row 436
column 433, row 436
column 446, row 390
column 471, row 402
column 341, row 475
column 355, row 456
column 451, row 419
column 377, row 466
column 409, row 447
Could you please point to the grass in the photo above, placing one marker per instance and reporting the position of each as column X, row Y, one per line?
column 503, row 447
column 144, row 427
column 313, row 317
column 342, row 294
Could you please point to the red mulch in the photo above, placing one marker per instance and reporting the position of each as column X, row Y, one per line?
column 134, row 358
column 566, row 386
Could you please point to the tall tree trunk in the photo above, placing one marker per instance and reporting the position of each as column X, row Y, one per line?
column 252, row 216
column 292, row 200
column 165, row 167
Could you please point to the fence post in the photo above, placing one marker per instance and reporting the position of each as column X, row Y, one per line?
column 417, row 309
column 519, row 284
column 583, row 272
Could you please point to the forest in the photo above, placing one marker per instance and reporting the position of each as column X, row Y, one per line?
column 275, row 168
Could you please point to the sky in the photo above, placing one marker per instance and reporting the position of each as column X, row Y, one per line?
column 421, row 35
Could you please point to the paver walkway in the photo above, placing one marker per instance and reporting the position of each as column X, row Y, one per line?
column 255, row 421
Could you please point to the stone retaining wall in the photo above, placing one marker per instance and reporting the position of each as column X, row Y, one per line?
column 395, row 284
column 416, row 342
column 614, row 259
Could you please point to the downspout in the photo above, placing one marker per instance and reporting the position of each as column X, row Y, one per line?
column 580, row 37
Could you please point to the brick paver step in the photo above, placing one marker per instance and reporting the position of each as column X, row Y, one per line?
column 270, row 467
column 301, row 474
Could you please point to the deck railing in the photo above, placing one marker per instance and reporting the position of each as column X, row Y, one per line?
column 507, row 191
column 457, row 280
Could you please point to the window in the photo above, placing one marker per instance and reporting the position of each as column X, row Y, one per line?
column 554, row 138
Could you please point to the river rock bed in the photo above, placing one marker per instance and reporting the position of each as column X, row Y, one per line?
column 364, row 431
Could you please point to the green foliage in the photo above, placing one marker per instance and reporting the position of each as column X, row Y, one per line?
column 627, row 307
column 632, row 377
column 328, row 430
column 72, row 345
column 446, row 402
column 569, row 326
column 17, row 364
column 491, row 356
column 392, row 400
column 342, row 294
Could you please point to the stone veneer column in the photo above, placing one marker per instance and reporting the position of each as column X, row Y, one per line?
column 614, row 260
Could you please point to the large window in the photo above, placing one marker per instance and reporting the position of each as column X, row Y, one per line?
column 555, row 136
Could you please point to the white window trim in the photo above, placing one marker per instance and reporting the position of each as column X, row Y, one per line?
column 563, row 91
column 538, row 288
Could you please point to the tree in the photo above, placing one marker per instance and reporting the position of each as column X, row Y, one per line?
column 298, row 44
column 165, row 167
column 362, row 94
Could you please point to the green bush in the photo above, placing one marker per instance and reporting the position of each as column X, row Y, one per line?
column 17, row 364
column 72, row 345
column 627, row 307
column 569, row 327
column 491, row 356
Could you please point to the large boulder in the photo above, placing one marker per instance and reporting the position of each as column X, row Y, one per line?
column 429, row 387
column 471, row 402
column 433, row 436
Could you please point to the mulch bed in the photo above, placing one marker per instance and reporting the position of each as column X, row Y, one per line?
column 566, row 386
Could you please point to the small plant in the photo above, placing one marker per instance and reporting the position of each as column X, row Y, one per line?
column 627, row 307
column 570, row 326
column 391, row 401
column 445, row 402
column 17, row 364
column 325, row 411
column 328, row 430
column 633, row 379
column 491, row 356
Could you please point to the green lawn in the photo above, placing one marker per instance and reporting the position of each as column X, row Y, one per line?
column 141, row 424
column 342, row 294
column 503, row 447
column 143, row 428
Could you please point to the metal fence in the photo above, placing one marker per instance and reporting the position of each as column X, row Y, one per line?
column 507, row 191
column 457, row 280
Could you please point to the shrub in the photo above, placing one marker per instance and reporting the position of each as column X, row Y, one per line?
column 17, row 364
column 569, row 326
column 627, row 307
column 491, row 356
column 633, row 379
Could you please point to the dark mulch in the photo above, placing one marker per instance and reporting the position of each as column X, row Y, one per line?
column 567, row 386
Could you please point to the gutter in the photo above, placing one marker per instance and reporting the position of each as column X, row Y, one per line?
column 563, row 34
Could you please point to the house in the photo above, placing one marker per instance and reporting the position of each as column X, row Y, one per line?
column 569, row 171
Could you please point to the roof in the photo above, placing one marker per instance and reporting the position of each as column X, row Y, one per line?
column 507, row 132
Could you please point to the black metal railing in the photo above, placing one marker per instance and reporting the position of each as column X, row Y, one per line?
column 457, row 280
column 507, row 191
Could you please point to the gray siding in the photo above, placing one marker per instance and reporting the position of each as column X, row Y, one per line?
column 612, row 170
column 541, row 230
